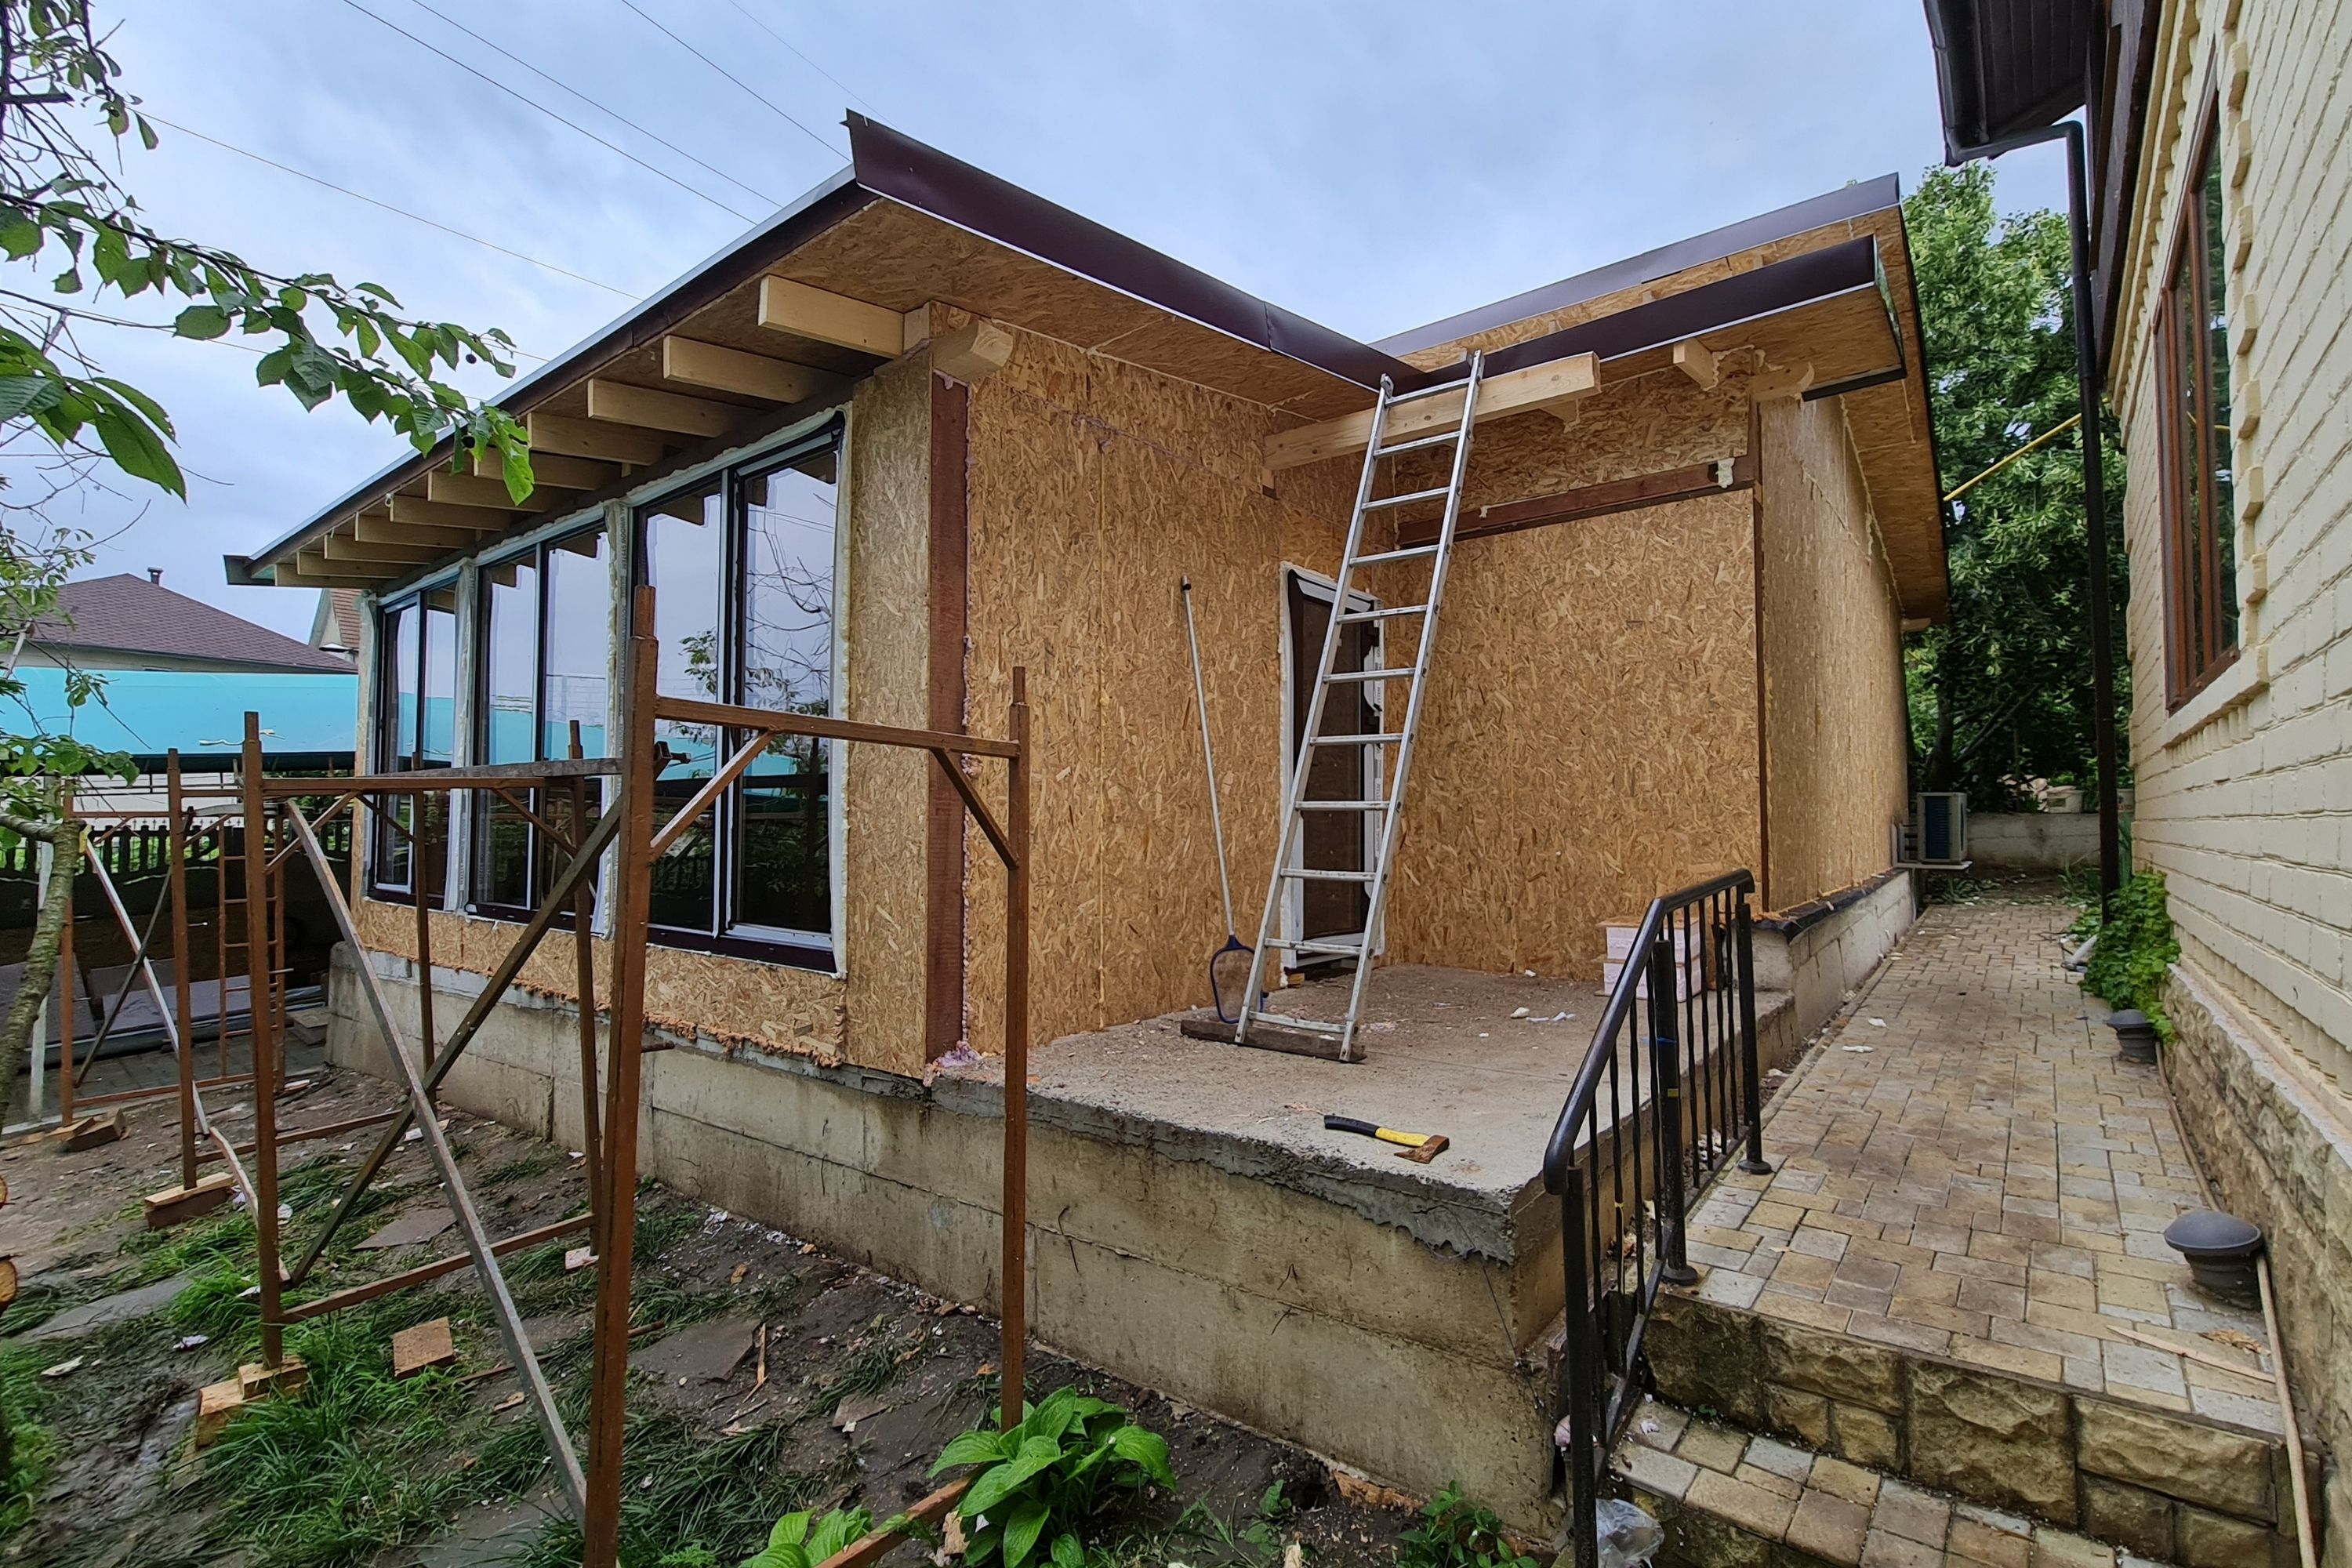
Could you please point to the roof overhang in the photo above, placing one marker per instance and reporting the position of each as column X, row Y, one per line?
column 2003, row 66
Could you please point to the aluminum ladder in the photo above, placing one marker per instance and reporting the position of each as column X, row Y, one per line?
column 1387, row 812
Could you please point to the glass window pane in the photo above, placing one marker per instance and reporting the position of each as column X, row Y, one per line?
column 395, row 737
column 436, row 744
column 579, row 645
column 510, row 682
column 2189, row 544
column 783, row 880
column 684, row 551
column 2223, row 521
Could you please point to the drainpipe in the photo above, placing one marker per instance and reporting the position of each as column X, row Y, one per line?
column 2095, row 500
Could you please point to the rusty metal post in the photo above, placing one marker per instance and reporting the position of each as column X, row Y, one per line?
column 601, row 1533
column 183, row 823
column 419, row 852
column 584, row 953
column 64, row 987
column 265, row 1052
column 1016, row 1266
column 281, row 975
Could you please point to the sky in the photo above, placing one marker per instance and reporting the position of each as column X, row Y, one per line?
column 1370, row 164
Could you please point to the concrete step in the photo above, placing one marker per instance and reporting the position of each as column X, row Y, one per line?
column 2148, row 1479
column 1731, row 1499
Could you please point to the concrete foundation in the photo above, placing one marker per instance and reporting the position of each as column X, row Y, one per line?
column 1820, row 953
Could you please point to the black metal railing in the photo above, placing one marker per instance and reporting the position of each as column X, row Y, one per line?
column 1669, row 1094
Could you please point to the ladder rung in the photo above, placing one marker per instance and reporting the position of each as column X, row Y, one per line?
column 1330, row 949
column 1419, row 442
column 1354, row 740
column 1363, row 675
column 1284, row 1020
column 1410, row 552
column 1440, row 493
column 1343, row 805
column 1384, row 614
column 1443, row 386
column 1313, row 874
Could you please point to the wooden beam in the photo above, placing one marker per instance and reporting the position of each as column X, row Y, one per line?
column 618, row 403
column 974, row 351
column 719, row 369
column 470, row 490
column 809, row 313
column 441, row 514
column 1542, row 385
column 948, row 564
column 377, row 528
column 1780, row 381
column 313, row 571
column 1685, row 483
column 554, row 472
column 562, row 433
column 1696, row 361
column 342, row 547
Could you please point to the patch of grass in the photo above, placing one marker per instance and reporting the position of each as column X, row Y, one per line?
column 34, row 1448
column 868, row 1370
column 1201, row 1537
column 521, row 1168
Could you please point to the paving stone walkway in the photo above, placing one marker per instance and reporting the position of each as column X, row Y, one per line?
column 1966, row 1169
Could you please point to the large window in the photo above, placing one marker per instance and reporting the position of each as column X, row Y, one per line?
column 2200, row 520
column 416, row 727
column 742, row 571
column 544, row 661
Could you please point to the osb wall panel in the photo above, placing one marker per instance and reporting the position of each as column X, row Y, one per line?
column 1836, row 750
column 886, row 665
column 1589, row 736
column 759, row 1006
column 1095, row 487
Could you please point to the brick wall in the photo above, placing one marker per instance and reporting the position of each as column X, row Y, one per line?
column 2245, row 793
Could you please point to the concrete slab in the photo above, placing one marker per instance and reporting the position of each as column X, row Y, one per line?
column 119, row 1308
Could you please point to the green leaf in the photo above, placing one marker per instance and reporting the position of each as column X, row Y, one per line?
column 136, row 449
column 1067, row 1553
column 68, row 282
column 973, row 1448
column 1022, row 1528
column 202, row 322
column 1145, row 1448
column 836, row 1529
column 20, row 236
column 22, row 394
column 1000, row 1483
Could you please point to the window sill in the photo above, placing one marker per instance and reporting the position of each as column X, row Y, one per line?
column 2236, row 686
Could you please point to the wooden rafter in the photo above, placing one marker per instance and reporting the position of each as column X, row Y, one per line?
column 441, row 514
column 721, row 369
column 562, row 434
column 618, row 403
column 806, row 311
column 1547, row 385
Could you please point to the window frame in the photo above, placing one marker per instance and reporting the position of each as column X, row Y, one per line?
column 727, row 934
column 2198, row 577
column 383, row 755
column 536, row 555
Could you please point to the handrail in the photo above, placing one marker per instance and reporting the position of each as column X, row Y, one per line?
column 1675, row 1058
column 1620, row 1006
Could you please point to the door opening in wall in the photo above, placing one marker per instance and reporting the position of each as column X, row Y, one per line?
column 1330, row 841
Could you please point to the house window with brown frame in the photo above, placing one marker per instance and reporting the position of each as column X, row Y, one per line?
column 2200, row 509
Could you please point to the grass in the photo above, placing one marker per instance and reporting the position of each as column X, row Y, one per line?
column 34, row 1448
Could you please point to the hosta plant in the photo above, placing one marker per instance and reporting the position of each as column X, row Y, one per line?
column 1072, row 1459
column 796, row 1542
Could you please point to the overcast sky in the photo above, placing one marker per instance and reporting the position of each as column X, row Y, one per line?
column 1371, row 165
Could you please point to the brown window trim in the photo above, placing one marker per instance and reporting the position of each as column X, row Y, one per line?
column 2179, row 468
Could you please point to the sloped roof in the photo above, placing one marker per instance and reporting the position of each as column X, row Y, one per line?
column 127, row 614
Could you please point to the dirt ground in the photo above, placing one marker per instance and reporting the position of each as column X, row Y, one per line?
column 769, row 1376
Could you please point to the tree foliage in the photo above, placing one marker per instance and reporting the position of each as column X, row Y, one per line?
column 2001, row 693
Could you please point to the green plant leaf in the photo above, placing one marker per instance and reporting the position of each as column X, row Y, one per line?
column 137, row 449
column 1022, row 1526
column 202, row 322
column 1067, row 1553
column 977, row 1448
column 1002, row 1482
column 21, row 395
column 1145, row 1448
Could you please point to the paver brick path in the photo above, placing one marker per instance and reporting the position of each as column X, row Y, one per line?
column 1966, row 1169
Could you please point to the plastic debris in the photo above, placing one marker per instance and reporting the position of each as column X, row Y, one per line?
column 1878, row 1023
column 189, row 1341
column 1519, row 1012
column 1629, row 1536
column 63, row 1368
column 1859, row 1050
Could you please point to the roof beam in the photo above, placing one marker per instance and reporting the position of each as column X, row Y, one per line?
column 562, row 433
column 307, row 570
column 1549, row 386
column 441, row 514
column 618, row 403
column 468, row 490
column 1696, row 361
column 721, row 369
column 1777, row 382
column 553, row 470
column 343, row 547
column 974, row 351
column 377, row 528
column 810, row 312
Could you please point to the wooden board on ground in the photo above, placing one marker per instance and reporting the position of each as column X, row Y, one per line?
column 92, row 1131
column 214, row 1404
column 1263, row 1036
column 410, row 1230
column 426, row 1346
column 173, row 1205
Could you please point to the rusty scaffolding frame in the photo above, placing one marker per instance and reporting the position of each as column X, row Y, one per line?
column 625, row 829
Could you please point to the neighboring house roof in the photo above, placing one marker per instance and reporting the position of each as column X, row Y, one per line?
column 335, row 625
column 906, row 226
column 147, row 713
column 132, row 615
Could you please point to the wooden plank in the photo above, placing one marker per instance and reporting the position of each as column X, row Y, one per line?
column 828, row 318
column 313, row 571
column 618, row 403
column 1537, row 386
column 441, row 514
column 1780, row 381
column 1263, row 1037
column 719, row 369
column 974, row 351
column 422, row 1347
column 377, row 528
column 564, row 435
column 341, row 547
column 470, row 490
column 1696, row 361
column 943, row 830
column 1595, row 501
column 554, row 471
column 688, row 711
column 877, row 1543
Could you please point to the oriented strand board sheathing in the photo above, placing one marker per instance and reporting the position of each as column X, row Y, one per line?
column 1589, row 736
column 1832, row 662
column 885, row 789
column 1096, row 485
column 736, row 1002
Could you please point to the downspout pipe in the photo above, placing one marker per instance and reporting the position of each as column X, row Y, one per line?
column 2095, row 500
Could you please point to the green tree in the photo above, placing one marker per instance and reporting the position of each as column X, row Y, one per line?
column 2002, row 692
column 67, row 126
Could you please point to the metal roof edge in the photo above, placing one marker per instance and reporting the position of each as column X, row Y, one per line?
column 1843, row 204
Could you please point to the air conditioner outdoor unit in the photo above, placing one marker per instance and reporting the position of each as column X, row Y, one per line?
column 1939, row 830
